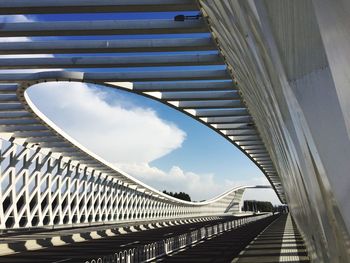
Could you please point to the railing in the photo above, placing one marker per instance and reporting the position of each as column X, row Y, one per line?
column 40, row 190
column 152, row 251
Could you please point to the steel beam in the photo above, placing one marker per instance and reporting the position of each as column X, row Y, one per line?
column 15, row 115
column 188, row 96
column 229, row 126
column 245, row 138
column 10, row 7
column 11, row 121
column 221, row 112
column 222, row 120
column 14, row 128
column 154, row 60
column 8, row 88
column 102, row 27
column 209, row 104
column 174, row 75
column 33, row 134
column 107, row 46
column 11, row 107
column 240, row 132
column 184, row 86
column 127, row 76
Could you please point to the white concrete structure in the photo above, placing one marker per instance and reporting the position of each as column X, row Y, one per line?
column 277, row 89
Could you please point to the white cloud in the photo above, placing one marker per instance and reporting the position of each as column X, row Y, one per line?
column 119, row 134
column 199, row 186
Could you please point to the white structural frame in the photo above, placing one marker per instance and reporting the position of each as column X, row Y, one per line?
column 271, row 76
column 40, row 190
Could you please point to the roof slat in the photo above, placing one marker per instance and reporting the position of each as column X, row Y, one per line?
column 91, row 6
column 209, row 104
column 218, row 120
column 130, row 76
column 221, row 113
column 107, row 46
column 102, row 27
column 213, row 95
column 112, row 62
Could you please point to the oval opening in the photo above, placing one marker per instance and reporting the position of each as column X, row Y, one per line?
column 156, row 144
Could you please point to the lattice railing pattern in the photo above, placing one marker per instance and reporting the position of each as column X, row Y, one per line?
column 38, row 190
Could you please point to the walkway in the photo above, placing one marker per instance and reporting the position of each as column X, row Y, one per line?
column 68, row 250
column 221, row 248
column 279, row 242
column 16, row 242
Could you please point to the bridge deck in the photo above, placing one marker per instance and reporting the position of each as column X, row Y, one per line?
column 279, row 242
column 220, row 248
column 27, row 241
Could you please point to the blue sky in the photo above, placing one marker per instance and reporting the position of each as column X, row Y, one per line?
column 182, row 155
column 203, row 151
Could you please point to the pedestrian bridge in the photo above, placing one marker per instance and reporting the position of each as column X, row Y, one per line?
column 269, row 76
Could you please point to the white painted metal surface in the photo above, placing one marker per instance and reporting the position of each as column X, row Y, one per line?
column 291, row 61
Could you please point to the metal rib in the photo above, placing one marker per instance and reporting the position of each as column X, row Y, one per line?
column 213, row 95
column 131, row 76
column 105, row 27
column 184, row 86
column 111, row 62
column 107, row 46
column 221, row 113
column 90, row 6
column 209, row 104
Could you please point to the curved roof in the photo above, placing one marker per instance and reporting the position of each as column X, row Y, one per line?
column 193, row 77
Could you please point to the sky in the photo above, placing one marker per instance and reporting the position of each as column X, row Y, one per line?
column 153, row 142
